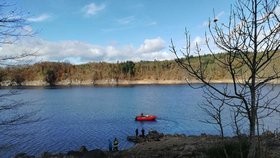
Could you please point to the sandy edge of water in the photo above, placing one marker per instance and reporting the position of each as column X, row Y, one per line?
column 113, row 82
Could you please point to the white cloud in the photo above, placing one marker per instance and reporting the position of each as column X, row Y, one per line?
column 205, row 24
column 151, row 23
column 117, row 28
column 81, row 52
column 199, row 41
column 92, row 9
column 152, row 45
column 203, row 46
column 216, row 17
column 39, row 18
column 277, row 10
column 28, row 28
column 220, row 14
column 126, row 20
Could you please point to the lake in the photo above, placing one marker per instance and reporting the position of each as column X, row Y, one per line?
column 76, row 116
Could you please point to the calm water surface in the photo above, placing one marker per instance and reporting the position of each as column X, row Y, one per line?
column 89, row 116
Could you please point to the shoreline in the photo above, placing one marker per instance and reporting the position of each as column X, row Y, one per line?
column 160, row 145
column 113, row 82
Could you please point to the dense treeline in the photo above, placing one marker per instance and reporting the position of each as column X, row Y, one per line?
column 53, row 72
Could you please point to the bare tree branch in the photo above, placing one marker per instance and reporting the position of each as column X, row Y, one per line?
column 251, row 44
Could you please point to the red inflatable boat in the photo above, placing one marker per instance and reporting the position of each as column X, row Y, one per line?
column 145, row 118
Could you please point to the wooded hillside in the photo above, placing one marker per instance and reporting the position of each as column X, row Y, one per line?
column 53, row 72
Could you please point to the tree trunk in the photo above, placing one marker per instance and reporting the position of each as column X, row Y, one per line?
column 253, row 148
column 253, row 139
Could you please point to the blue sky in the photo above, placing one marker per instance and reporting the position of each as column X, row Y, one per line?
column 113, row 30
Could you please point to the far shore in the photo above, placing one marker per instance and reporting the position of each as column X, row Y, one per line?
column 113, row 82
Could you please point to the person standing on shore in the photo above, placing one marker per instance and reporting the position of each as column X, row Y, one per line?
column 143, row 132
column 136, row 132
column 116, row 145
column 110, row 145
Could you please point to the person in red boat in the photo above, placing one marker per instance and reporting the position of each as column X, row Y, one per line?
column 142, row 115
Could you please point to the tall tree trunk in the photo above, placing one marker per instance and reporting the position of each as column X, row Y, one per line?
column 253, row 139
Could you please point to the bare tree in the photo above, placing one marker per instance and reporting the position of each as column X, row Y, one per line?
column 237, row 126
column 250, row 40
column 14, row 112
column 214, row 107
